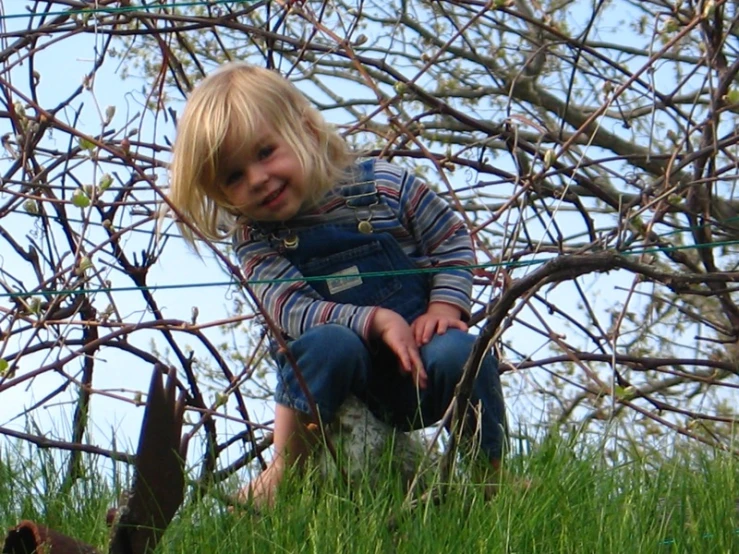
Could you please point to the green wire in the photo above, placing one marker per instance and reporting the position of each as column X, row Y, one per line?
column 370, row 274
column 122, row 9
column 509, row 264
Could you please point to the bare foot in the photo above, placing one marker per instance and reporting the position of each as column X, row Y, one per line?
column 260, row 493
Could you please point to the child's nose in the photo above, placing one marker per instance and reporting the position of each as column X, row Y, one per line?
column 256, row 175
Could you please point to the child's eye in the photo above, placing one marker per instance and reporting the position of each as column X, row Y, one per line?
column 233, row 177
column 265, row 152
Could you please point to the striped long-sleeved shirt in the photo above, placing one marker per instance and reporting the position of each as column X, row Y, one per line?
column 424, row 225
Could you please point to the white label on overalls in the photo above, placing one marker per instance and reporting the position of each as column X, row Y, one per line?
column 345, row 283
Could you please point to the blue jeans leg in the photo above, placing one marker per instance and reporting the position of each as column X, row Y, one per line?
column 444, row 358
column 334, row 362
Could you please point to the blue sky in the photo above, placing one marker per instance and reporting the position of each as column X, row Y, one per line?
column 62, row 69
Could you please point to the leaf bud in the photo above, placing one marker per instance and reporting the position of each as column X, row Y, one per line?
column 31, row 206
column 80, row 199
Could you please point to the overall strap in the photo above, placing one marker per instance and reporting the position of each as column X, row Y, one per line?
column 360, row 189
column 360, row 195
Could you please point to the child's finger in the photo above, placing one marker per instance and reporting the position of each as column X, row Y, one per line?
column 419, row 373
column 428, row 332
column 410, row 362
column 406, row 365
column 442, row 326
column 458, row 324
column 423, row 332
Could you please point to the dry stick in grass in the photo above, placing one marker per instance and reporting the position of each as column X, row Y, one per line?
column 159, row 480
column 156, row 494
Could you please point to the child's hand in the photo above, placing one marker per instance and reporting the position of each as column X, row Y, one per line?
column 438, row 318
column 394, row 331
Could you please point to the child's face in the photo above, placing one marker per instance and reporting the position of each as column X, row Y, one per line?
column 266, row 181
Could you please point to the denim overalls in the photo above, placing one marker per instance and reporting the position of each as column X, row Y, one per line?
column 335, row 362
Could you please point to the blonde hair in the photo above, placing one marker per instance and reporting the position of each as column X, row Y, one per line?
column 235, row 101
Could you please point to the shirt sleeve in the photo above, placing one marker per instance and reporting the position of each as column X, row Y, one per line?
column 290, row 301
column 443, row 238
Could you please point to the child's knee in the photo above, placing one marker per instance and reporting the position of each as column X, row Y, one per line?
column 447, row 353
column 332, row 361
column 330, row 347
column 445, row 357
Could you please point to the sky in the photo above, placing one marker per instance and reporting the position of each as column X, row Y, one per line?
column 62, row 69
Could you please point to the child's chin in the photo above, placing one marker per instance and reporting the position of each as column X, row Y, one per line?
column 284, row 214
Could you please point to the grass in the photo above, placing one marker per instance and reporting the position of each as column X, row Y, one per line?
column 577, row 503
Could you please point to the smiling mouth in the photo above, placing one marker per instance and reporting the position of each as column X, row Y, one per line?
column 272, row 197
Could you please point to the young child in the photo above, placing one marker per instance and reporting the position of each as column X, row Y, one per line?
column 254, row 161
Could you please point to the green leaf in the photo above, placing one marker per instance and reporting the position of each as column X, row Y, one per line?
column 34, row 305
column 625, row 393
column 672, row 25
column 86, row 144
column 85, row 263
column 109, row 113
column 549, row 157
column 105, row 182
column 732, row 97
column 31, row 206
column 400, row 88
column 80, row 199
column 221, row 400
